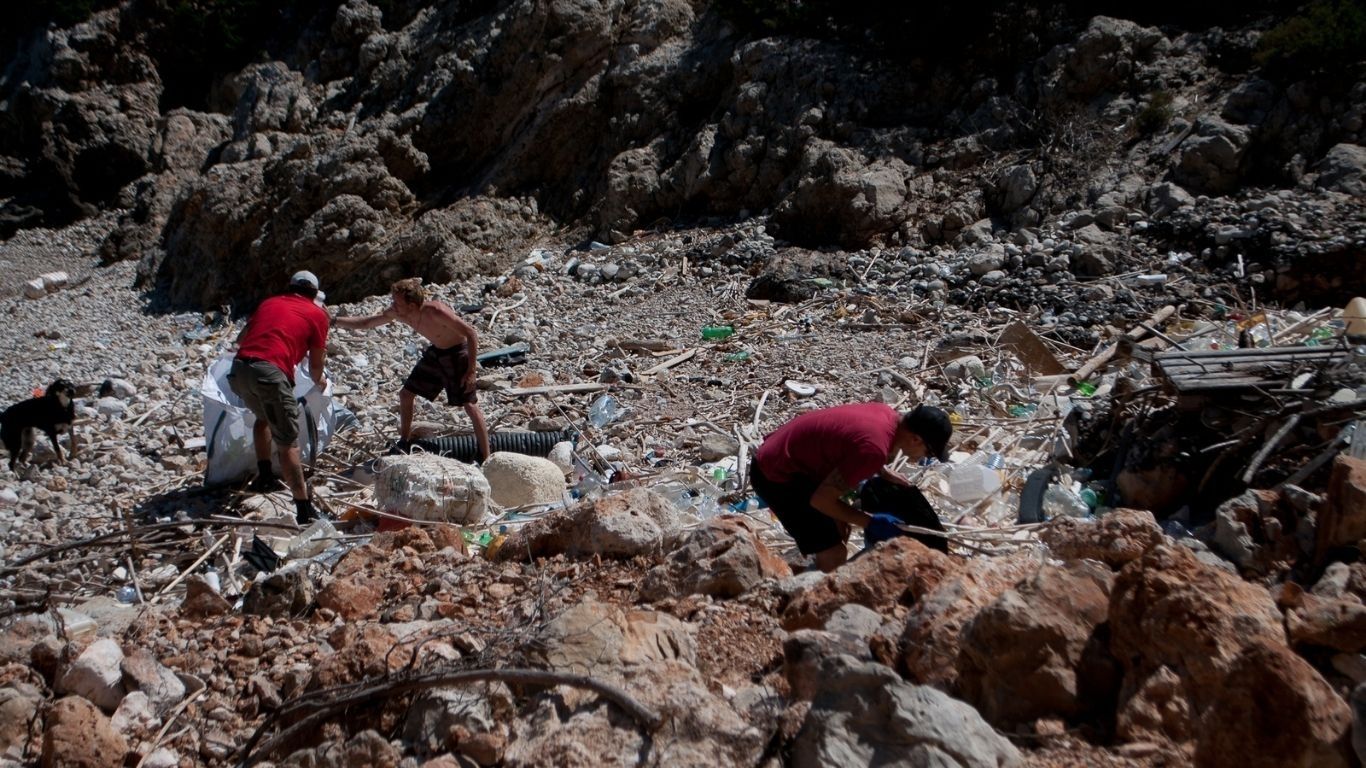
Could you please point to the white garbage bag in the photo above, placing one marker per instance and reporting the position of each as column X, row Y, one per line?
column 228, row 424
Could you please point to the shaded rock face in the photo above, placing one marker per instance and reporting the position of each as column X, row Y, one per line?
column 931, row 641
column 1178, row 627
column 1274, row 710
column 86, row 121
column 1021, row 655
column 864, row 714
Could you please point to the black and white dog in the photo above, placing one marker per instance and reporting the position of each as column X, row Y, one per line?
column 52, row 413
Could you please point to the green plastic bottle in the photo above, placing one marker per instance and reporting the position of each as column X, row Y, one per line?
column 714, row 332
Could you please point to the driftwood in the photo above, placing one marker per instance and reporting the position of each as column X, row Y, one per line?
column 1098, row 363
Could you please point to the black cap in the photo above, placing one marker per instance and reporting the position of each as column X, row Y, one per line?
column 933, row 426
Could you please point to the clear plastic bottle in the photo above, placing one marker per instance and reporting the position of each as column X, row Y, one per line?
column 1059, row 500
column 605, row 410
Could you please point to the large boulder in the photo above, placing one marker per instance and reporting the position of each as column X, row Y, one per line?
column 79, row 735
column 930, row 644
column 1021, row 655
column 863, row 713
column 598, row 640
column 1211, row 159
column 1116, row 538
column 516, row 479
column 900, row 571
column 1274, row 711
column 624, row 524
column 1177, row 627
column 1343, row 169
column 1103, row 58
column 724, row 557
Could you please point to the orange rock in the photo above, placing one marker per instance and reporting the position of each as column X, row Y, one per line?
column 79, row 735
column 898, row 571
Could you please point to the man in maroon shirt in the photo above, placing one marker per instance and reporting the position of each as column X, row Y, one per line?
column 279, row 334
column 805, row 468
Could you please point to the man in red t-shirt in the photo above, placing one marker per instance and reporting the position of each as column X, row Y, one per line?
column 279, row 334
column 804, row 469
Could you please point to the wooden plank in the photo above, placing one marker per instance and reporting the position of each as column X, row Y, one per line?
column 552, row 389
column 671, row 362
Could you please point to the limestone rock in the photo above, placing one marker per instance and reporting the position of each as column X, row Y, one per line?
column 1211, row 160
column 1343, row 520
column 432, row 716
column 864, row 714
column 1116, row 538
column 286, row 592
column 19, row 703
column 516, row 480
column 1274, row 710
column 162, row 687
column 901, row 570
column 930, row 642
column 1343, row 170
column 96, row 675
column 724, row 557
column 352, row 597
column 434, row 488
column 624, row 524
column 598, row 640
column 1021, row 654
column 1169, row 611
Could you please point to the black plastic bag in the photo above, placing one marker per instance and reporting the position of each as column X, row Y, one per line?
column 907, row 504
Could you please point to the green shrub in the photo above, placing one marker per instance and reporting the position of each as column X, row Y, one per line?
column 1155, row 115
column 1327, row 36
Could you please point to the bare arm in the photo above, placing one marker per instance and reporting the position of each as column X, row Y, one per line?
column 471, row 346
column 317, row 359
column 369, row 321
column 826, row 500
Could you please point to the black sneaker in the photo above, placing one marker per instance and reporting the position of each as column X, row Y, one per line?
column 266, row 484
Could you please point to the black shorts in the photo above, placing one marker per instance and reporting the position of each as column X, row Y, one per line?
column 442, row 369
column 812, row 529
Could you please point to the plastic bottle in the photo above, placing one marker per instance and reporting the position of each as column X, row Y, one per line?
column 715, row 332
column 312, row 540
column 1059, row 500
column 971, row 482
column 604, row 411
column 126, row 595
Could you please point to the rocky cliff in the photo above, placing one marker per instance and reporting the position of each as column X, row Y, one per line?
column 376, row 140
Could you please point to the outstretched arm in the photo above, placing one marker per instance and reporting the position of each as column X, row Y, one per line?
column 471, row 347
column 369, row 321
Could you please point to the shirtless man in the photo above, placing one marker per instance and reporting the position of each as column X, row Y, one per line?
column 448, row 364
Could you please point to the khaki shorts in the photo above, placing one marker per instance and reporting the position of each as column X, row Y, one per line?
column 269, row 395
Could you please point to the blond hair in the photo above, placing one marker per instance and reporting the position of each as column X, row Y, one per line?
column 410, row 290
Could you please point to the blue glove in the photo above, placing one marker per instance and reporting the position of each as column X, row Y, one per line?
column 882, row 527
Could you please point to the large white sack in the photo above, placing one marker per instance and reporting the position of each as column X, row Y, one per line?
column 424, row 486
column 228, row 424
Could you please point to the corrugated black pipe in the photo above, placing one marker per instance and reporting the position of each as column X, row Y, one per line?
column 466, row 448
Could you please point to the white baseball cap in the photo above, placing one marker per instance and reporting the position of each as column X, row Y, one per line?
column 304, row 278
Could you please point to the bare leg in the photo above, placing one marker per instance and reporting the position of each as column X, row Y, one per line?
column 405, row 413
column 481, row 431
column 292, row 467
column 260, row 439
column 829, row 559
